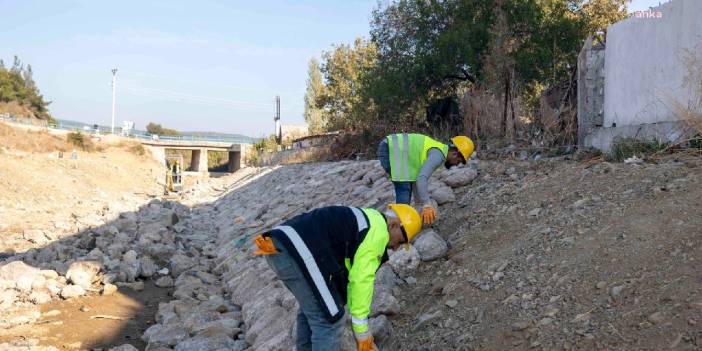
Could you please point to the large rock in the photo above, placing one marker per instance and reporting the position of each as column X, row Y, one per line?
column 169, row 336
column 458, row 176
column 148, row 267
column 404, row 261
column 70, row 291
column 164, row 282
column 430, row 245
column 215, row 342
column 17, row 271
column 152, row 232
column 54, row 286
column 39, row 297
column 441, row 193
column 229, row 327
column 83, row 273
column 385, row 278
column 382, row 331
column 384, row 303
column 127, row 224
column 130, row 265
column 180, row 263
column 25, row 283
column 169, row 217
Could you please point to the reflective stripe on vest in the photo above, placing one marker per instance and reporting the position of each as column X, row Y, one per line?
column 360, row 219
column 362, row 225
column 312, row 268
column 408, row 152
column 355, row 320
column 401, row 160
column 396, row 162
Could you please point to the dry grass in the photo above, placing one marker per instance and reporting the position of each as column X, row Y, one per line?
column 134, row 147
column 691, row 113
column 483, row 115
column 16, row 109
column 31, row 141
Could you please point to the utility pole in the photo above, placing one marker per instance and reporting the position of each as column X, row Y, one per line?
column 114, row 83
column 278, row 128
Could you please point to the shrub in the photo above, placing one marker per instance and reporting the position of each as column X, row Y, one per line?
column 624, row 148
column 76, row 139
column 137, row 149
column 82, row 141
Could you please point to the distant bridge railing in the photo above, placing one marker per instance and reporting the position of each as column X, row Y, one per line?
column 79, row 127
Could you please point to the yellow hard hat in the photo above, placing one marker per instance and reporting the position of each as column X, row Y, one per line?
column 464, row 145
column 409, row 218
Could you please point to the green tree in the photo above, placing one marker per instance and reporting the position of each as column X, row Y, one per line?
column 314, row 116
column 157, row 129
column 420, row 50
column 28, row 79
column 17, row 85
column 426, row 47
column 432, row 48
column 344, row 70
column 153, row 128
column 597, row 15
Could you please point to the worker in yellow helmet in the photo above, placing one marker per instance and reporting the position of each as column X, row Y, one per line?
column 327, row 258
column 410, row 159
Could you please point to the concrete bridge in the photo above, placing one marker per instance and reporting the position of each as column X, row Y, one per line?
column 199, row 148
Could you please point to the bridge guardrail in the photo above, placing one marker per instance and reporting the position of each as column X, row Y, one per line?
column 60, row 125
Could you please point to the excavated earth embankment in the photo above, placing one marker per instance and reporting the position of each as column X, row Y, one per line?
column 548, row 254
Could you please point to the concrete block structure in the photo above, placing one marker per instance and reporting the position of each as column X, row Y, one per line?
column 644, row 77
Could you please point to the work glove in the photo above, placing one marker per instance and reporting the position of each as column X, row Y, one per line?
column 428, row 214
column 365, row 342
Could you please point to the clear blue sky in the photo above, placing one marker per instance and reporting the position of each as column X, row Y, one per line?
column 205, row 65
column 639, row 5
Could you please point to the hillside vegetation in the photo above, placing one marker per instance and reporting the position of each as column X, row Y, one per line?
column 19, row 94
column 494, row 58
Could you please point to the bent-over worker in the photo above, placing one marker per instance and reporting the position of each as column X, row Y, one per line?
column 410, row 160
column 327, row 258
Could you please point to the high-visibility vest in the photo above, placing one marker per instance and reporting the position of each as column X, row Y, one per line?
column 323, row 240
column 408, row 153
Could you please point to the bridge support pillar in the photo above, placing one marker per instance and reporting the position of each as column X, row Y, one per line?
column 199, row 160
column 234, row 161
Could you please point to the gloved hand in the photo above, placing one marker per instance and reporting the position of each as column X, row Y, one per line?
column 365, row 343
column 428, row 214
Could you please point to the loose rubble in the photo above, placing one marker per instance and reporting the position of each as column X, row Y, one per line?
column 495, row 251
column 267, row 307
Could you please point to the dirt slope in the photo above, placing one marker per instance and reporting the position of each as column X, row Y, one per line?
column 38, row 190
column 554, row 256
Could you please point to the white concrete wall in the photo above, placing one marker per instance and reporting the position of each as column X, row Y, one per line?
column 644, row 72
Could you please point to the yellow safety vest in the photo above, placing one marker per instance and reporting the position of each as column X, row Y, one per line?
column 408, row 153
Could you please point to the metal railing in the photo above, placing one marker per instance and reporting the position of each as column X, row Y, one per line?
column 137, row 134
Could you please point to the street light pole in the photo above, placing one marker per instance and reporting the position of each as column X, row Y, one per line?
column 114, row 83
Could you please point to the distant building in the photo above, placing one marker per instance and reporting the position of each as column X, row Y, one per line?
column 314, row 140
column 127, row 128
column 290, row 132
column 638, row 83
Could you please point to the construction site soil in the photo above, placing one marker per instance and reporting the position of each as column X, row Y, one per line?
column 553, row 254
